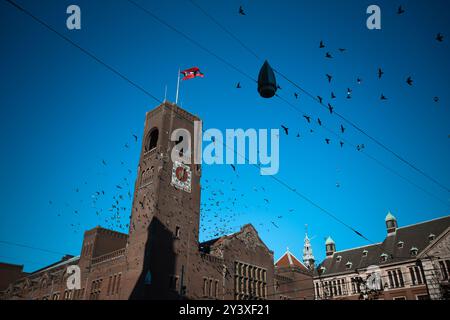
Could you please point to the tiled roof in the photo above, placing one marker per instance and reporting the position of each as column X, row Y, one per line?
column 289, row 260
column 397, row 246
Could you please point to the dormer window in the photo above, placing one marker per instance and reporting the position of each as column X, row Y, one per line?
column 365, row 252
column 349, row 265
column 322, row 270
column 413, row 251
column 338, row 258
column 400, row 244
column 384, row 257
column 431, row 236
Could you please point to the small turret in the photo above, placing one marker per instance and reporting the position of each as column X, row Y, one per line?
column 330, row 246
column 391, row 223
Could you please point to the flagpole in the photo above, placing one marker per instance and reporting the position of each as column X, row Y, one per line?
column 178, row 86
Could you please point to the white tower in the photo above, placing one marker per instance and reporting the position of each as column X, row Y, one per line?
column 308, row 257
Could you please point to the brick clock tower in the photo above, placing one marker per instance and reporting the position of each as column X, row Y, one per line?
column 164, row 226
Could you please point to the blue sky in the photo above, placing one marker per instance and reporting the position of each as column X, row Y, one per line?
column 62, row 113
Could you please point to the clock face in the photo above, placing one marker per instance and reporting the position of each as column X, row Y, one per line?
column 181, row 176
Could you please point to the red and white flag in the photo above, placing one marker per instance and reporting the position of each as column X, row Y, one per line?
column 191, row 73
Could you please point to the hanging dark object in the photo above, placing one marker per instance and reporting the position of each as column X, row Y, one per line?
column 267, row 84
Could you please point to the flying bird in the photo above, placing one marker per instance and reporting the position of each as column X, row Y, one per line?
column 383, row 97
column 321, row 44
column 409, row 81
column 233, row 166
column 333, row 96
column 341, row 143
column 308, row 118
column 135, row 137
column 359, row 80
column 329, row 77
column 349, row 93
column 342, row 128
column 320, row 99
column 330, row 108
column 440, row 37
column 286, row 130
column 238, row 86
column 328, row 55
column 400, row 10
column 319, row 122
column 436, row 99
column 296, row 95
column 342, row 49
column 380, row 73
column 241, row 11
column 327, row 141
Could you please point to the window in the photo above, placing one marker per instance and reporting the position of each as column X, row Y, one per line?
column 338, row 258
column 413, row 251
column 114, row 283
column 422, row 297
column 216, row 288
column 339, row 284
column 109, row 286
column 400, row 244
column 250, row 282
column 118, row 282
column 400, row 278
column 444, row 273
column 431, row 236
column 354, row 284
column 177, row 232
column 180, row 150
column 210, row 288
column 384, row 257
column 152, row 139
column 399, row 298
column 349, row 265
column 395, row 277
column 391, row 224
column 205, row 287
column 365, row 252
column 416, row 275
column 96, row 286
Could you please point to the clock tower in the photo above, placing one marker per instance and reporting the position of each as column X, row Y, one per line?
column 164, row 223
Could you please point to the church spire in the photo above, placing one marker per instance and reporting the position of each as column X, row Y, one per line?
column 308, row 257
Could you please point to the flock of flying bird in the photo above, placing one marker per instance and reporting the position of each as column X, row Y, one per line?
column 112, row 208
column 409, row 81
column 220, row 197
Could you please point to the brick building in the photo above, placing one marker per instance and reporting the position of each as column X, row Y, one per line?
column 412, row 263
column 161, row 257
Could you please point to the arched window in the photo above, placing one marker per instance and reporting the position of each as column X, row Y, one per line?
column 152, row 140
column 180, row 150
